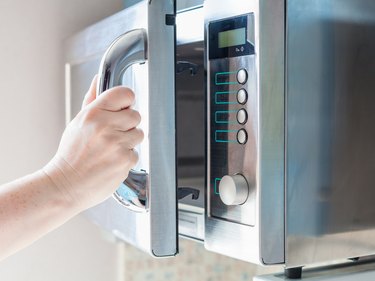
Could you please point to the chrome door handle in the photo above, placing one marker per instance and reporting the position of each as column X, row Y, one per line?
column 128, row 49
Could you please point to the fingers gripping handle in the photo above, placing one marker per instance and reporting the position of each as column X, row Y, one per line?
column 128, row 49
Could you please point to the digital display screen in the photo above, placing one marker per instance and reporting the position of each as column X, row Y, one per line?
column 232, row 37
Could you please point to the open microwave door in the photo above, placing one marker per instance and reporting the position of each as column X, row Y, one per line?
column 135, row 48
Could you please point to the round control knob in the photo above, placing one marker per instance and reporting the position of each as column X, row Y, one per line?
column 233, row 190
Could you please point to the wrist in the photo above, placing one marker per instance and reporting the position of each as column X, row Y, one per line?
column 62, row 178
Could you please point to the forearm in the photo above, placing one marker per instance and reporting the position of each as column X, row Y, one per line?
column 94, row 156
column 29, row 208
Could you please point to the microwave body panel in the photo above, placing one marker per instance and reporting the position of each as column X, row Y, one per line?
column 329, row 131
column 253, row 231
column 314, row 170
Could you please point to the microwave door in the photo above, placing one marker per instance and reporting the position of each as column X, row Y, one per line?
column 143, row 210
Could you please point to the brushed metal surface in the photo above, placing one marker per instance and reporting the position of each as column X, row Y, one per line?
column 271, row 65
column 330, row 133
column 154, row 231
column 162, row 129
column 262, row 242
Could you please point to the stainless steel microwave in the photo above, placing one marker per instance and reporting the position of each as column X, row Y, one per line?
column 260, row 111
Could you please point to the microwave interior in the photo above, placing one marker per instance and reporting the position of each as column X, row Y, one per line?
column 190, row 111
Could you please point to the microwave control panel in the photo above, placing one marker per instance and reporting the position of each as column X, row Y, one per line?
column 232, row 120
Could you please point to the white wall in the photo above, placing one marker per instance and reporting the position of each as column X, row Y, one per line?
column 31, row 123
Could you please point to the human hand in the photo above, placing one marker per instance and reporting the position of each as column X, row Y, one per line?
column 96, row 150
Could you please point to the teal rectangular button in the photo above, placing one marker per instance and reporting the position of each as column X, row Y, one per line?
column 225, row 136
column 225, row 117
column 226, row 78
column 226, row 97
column 216, row 185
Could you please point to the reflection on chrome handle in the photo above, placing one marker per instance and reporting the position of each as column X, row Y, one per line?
column 132, row 193
column 128, row 49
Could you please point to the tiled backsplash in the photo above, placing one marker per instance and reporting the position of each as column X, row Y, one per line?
column 194, row 263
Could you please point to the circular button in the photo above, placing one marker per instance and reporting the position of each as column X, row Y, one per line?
column 233, row 190
column 242, row 96
column 242, row 116
column 242, row 136
column 242, row 76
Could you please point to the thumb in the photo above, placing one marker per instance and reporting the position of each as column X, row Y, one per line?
column 91, row 93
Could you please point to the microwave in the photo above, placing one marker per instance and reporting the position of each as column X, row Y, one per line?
column 259, row 122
